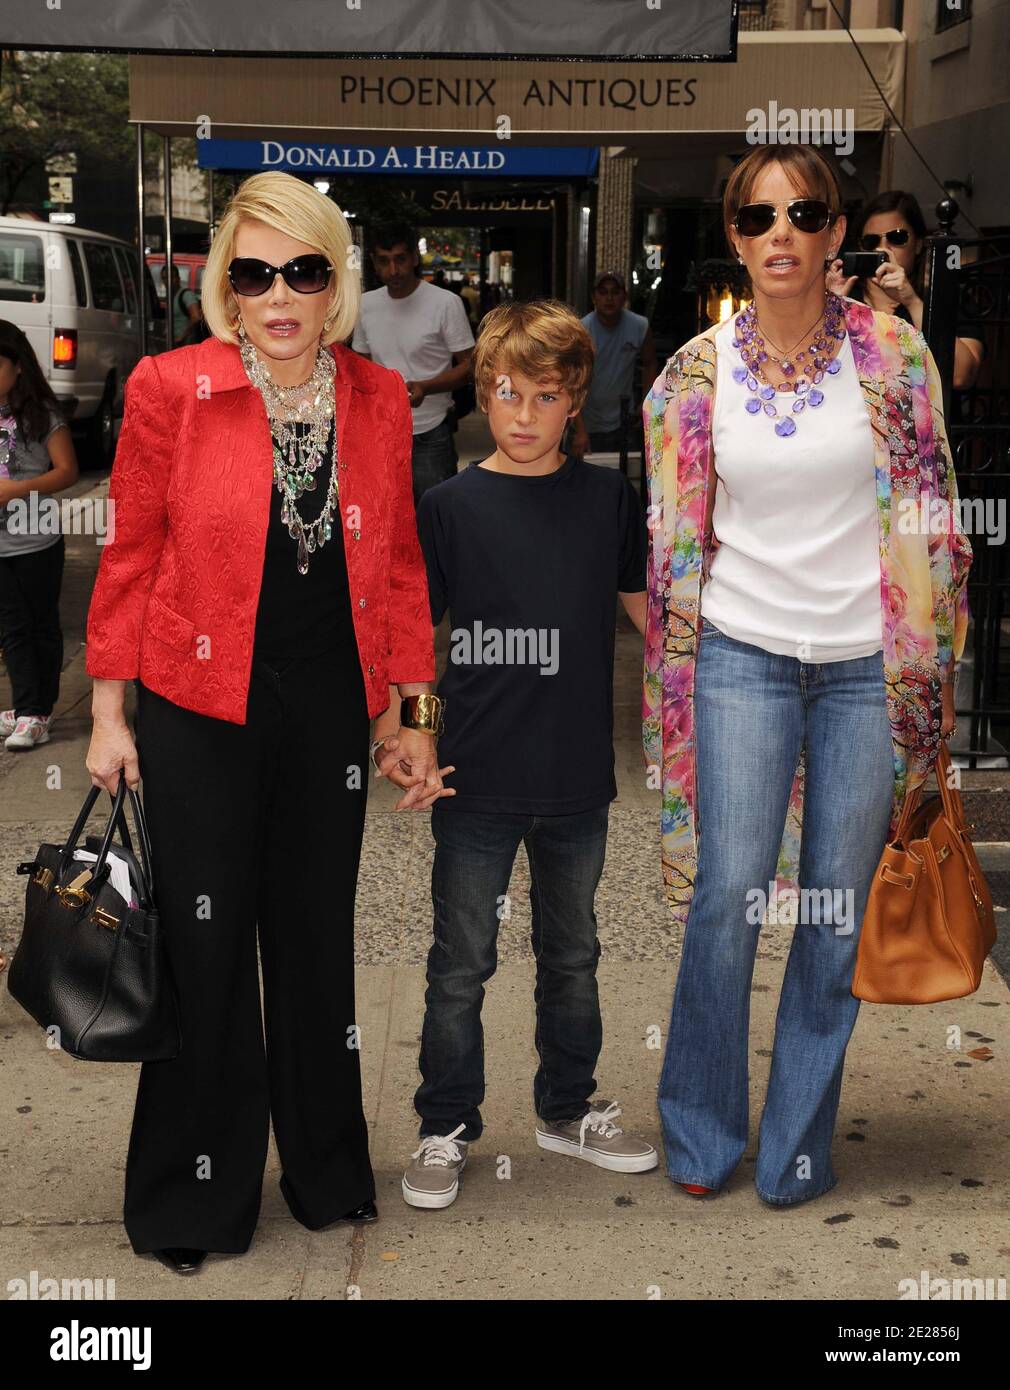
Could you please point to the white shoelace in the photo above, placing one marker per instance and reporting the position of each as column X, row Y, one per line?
column 602, row 1122
column 439, row 1150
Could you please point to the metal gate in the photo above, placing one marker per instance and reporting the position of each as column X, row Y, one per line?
column 970, row 281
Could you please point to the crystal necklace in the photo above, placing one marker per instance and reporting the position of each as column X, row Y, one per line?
column 297, row 455
column 822, row 353
column 790, row 360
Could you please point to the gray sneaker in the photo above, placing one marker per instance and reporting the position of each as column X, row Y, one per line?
column 432, row 1180
column 597, row 1139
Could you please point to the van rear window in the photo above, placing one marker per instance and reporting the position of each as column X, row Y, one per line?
column 80, row 288
column 106, row 291
column 22, row 268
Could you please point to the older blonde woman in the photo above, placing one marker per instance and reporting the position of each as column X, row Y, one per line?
column 264, row 587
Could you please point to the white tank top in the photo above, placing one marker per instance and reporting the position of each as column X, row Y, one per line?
column 797, row 571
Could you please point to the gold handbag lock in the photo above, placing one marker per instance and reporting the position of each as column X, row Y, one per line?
column 74, row 895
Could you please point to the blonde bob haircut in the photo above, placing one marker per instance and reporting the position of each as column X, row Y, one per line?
column 295, row 207
column 542, row 339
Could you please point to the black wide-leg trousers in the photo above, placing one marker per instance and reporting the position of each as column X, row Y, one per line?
column 255, row 826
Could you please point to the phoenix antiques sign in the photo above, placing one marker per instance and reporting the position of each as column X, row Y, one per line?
column 494, row 103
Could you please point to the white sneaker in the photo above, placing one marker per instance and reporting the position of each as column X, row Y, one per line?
column 29, row 732
column 8, row 722
column 432, row 1180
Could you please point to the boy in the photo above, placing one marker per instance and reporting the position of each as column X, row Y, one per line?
column 528, row 551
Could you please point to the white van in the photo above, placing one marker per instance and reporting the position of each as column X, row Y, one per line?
column 73, row 292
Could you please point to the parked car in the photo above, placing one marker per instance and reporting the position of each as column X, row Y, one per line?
column 74, row 293
column 189, row 264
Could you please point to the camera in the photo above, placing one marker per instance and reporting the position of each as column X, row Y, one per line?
column 862, row 263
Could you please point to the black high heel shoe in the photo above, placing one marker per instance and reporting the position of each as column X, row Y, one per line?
column 181, row 1260
column 361, row 1216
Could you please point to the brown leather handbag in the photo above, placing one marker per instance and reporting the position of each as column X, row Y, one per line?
column 929, row 923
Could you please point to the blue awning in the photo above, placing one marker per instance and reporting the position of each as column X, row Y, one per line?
column 462, row 161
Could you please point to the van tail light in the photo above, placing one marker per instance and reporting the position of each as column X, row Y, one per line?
column 65, row 347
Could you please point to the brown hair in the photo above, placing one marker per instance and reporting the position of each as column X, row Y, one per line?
column 31, row 398
column 539, row 338
column 809, row 170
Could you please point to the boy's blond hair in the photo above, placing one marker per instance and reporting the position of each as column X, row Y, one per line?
column 541, row 338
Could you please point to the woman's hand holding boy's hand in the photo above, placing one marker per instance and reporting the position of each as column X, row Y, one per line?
column 409, row 759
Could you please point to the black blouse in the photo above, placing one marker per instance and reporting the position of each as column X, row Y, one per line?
column 303, row 614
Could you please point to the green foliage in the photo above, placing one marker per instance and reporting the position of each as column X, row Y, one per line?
column 60, row 103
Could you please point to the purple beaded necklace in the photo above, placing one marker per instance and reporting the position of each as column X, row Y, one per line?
column 802, row 378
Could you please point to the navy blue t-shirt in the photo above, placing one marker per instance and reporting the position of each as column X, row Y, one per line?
column 529, row 568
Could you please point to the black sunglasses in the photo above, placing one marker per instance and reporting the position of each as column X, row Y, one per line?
column 806, row 215
column 869, row 241
column 304, row 274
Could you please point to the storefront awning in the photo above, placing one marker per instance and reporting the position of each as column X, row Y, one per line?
column 782, row 74
column 563, row 29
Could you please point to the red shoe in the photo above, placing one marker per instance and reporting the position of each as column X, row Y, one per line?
column 696, row 1190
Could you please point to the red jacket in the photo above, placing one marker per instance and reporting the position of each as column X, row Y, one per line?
column 178, row 583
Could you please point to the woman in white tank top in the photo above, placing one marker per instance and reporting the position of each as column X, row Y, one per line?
column 800, row 655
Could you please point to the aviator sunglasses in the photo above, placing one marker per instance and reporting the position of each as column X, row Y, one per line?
column 806, row 215
column 304, row 274
column 869, row 241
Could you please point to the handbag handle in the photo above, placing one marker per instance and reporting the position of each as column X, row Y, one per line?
column 100, row 869
column 124, row 829
column 146, row 855
column 143, row 837
column 953, row 807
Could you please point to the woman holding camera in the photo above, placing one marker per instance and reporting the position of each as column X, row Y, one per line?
column 892, row 225
column 802, row 639
column 263, row 588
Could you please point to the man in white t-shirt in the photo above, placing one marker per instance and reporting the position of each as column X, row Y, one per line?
column 423, row 333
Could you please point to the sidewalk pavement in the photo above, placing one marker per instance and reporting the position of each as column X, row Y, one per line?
column 920, row 1148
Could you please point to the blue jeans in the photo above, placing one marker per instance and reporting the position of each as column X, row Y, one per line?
column 474, row 854
column 434, row 458
column 753, row 712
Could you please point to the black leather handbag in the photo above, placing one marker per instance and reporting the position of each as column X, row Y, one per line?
column 89, row 964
